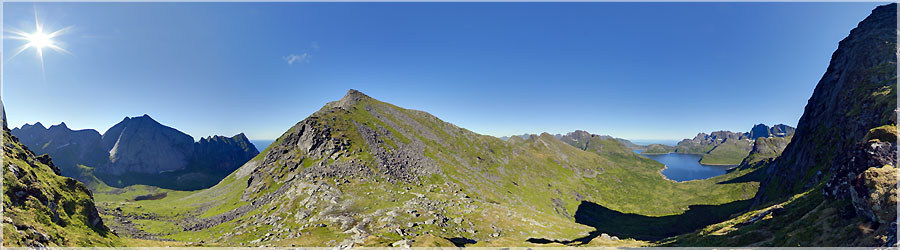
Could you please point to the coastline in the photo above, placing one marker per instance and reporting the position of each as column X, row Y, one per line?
column 730, row 166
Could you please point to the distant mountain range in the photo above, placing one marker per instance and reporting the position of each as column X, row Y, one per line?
column 726, row 147
column 139, row 150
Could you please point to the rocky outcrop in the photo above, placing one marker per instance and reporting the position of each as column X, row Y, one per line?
column 67, row 147
column 868, row 176
column 857, row 92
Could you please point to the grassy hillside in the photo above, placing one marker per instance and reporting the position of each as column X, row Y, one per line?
column 364, row 172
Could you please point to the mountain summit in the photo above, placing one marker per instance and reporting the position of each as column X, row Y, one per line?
column 143, row 145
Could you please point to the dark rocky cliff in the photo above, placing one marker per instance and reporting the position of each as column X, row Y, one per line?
column 858, row 92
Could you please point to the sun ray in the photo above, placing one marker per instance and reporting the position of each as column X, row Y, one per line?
column 19, row 50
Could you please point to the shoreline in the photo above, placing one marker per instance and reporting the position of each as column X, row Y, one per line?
column 732, row 166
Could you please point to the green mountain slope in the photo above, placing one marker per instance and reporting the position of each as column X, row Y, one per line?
column 42, row 208
column 364, row 172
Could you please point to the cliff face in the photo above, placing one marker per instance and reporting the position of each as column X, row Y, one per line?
column 858, row 92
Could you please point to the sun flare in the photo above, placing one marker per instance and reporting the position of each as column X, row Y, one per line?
column 38, row 40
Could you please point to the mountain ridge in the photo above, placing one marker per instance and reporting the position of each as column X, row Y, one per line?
column 140, row 150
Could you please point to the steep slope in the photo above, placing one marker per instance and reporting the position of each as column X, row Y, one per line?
column 364, row 172
column 857, row 93
column 42, row 208
column 835, row 183
column 68, row 147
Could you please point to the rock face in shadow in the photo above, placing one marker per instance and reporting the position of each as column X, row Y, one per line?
column 222, row 154
column 858, row 92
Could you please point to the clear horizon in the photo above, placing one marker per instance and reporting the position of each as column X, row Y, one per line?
column 498, row 69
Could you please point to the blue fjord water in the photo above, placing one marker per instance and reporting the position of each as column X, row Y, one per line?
column 261, row 144
column 685, row 167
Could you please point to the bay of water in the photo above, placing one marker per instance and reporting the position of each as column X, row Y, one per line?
column 685, row 167
column 261, row 144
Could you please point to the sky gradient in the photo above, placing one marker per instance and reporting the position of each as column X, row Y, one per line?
column 631, row 70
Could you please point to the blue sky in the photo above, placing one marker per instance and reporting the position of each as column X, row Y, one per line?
column 631, row 70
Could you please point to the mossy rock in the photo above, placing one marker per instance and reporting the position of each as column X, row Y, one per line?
column 886, row 133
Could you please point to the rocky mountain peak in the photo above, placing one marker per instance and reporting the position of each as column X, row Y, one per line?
column 352, row 98
column 36, row 125
column 128, row 143
column 60, row 126
column 763, row 131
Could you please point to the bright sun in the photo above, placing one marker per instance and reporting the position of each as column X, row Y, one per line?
column 38, row 40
